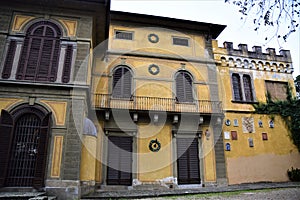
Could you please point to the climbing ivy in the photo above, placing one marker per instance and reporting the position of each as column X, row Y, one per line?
column 289, row 110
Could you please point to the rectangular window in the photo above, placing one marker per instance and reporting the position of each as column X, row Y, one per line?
column 237, row 90
column 277, row 90
column 124, row 35
column 181, row 41
column 242, row 88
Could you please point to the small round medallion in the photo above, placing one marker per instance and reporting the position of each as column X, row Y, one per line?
column 153, row 69
column 153, row 38
column 154, row 145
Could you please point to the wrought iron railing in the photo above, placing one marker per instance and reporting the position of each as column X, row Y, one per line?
column 156, row 104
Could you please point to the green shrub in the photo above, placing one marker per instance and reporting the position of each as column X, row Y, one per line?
column 294, row 174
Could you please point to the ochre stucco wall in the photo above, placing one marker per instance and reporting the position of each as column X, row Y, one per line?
column 88, row 158
column 164, row 46
column 208, row 153
column 154, row 166
column 268, row 160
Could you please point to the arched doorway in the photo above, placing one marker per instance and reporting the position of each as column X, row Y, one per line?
column 23, row 146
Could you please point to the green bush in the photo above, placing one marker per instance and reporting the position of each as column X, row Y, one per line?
column 294, row 174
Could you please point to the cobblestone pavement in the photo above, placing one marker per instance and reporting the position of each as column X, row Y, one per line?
column 289, row 190
column 270, row 194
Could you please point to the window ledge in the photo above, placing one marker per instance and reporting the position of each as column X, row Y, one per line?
column 65, row 85
column 244, row 102
column 122, row 98
column 186, row 103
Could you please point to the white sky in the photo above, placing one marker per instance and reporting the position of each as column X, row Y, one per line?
column 216, row 12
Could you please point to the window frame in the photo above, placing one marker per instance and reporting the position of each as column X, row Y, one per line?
column 242, row 87
column 25, row 64
column 61, row 73
column 122, row 86
column 285, row 83
column 186, row 100
column 123, row 31
column 181, row 38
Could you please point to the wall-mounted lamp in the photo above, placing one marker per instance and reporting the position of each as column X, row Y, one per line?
column 207, row 134
column 200, row 134
column 155, row 118
column 219, row 121
column 106, row 115
column 174, row 134
column 201, row 120
column 175, row 119
column 135, row 117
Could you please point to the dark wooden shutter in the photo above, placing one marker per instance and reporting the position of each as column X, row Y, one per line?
column 188, row 161
column 247, row 88
column 6, row 132
column 179, row 88
column 40, row 53
column 9, row 59
column 39, row 176
column 127, row 78
column 184, row 89
column 23, row 59
column 32, row 58
column 188, row 88
column 122, row 83
column 44, row 65
column 119, row 169
column 237, row 90
column 117, row 83
column 67, row 64
column 54, row 61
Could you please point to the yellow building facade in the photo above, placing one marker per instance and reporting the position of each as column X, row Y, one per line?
column 167, row 107
column 132, row 101
column 261, row 149
column 216, row 131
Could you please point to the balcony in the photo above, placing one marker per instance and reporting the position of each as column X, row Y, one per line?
column 103, row 101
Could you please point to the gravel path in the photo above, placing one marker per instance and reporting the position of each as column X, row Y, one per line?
column 280, row 194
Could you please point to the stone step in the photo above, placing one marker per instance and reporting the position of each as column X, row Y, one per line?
column 43, row 198
column 20, row 195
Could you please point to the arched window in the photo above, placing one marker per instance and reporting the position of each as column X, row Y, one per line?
column 40, row 53
column 184, row 87
column 122, row 82
column 237, row 89
column 41, row 56
column 247, row 88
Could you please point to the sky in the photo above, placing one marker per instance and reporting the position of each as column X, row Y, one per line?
column 217, row 12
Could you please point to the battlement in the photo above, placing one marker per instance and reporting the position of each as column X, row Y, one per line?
column 255, row 59
column 256, row 53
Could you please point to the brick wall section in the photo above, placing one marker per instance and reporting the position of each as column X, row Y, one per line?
column 85, row 28
column 81, row 65
column 2, row 45
column 5, row 19
column 72, row 150
column 217, row 129
column 219, row 153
